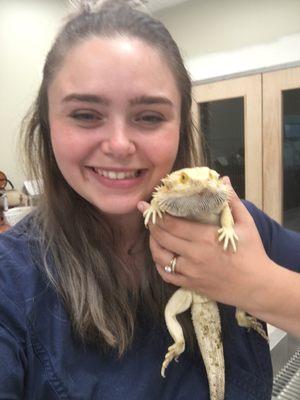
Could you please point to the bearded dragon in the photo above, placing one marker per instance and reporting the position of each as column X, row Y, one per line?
column 199, row 194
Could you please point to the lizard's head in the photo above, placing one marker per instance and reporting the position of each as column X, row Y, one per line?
column 194, row 180
column 191, row 191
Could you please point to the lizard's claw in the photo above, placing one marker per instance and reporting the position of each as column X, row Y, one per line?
column 174, row 352
column 229, row 236
column 151, row 213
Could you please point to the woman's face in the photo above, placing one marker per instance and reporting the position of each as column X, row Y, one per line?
column 114, row 113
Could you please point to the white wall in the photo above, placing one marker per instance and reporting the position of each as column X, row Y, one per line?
column 217, row 37
column 27, row 28
column 220, row 37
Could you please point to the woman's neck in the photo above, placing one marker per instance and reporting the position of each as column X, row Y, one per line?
column 129, row 230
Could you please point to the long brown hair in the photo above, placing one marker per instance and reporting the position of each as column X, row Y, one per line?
column 77, row 242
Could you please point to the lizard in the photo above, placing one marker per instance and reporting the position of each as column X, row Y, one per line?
column 198, row 193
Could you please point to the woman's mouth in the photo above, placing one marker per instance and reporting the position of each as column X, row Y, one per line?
column 117, row 178
column 117, row 175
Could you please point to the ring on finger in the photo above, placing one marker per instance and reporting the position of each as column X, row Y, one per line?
column 171, row 267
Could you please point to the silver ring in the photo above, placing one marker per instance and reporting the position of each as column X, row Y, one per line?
column 170, row 268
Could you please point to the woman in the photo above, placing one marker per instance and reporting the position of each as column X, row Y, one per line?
column 81, row 301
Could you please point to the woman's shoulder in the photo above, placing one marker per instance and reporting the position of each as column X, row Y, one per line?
column 14, row 241
column 20, row 272
column 282, row 245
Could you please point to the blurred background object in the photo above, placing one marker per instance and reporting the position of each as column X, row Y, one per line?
column 12, row 216
column 14, row 204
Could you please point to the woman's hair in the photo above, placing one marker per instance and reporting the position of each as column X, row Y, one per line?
column 78, row 244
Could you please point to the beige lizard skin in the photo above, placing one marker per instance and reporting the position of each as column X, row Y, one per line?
column 199, row 194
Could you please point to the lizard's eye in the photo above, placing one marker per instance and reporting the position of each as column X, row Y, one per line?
column 183, row 178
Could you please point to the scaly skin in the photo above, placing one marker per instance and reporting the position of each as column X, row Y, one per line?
column 198, row 194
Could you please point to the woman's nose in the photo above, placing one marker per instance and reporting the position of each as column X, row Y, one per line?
column 118, row 142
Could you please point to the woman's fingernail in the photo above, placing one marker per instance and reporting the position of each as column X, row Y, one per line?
column 141, row 206
column 226, row 179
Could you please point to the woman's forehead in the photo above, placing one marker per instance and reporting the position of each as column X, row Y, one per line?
column 100, row 50
column 117, row 63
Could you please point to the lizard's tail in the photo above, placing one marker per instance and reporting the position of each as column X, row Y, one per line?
column 206, row 320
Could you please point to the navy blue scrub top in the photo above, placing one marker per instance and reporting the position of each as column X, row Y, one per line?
column 41, row 359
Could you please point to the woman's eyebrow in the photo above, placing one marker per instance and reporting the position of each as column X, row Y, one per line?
column 151, row 100
column 92, row 98
column 85, row 97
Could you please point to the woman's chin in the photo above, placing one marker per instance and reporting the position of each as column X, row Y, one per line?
column 118, row 210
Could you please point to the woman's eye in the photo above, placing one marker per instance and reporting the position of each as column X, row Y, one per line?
column 84, row 116
column 87, row 118
column 149, row 119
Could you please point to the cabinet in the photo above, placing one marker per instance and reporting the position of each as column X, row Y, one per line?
column 251, row 129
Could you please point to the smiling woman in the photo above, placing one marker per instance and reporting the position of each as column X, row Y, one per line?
column 114, row 127
column 81, row 304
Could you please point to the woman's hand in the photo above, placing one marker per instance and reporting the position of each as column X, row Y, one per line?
column 247, row 279
column 202, row 263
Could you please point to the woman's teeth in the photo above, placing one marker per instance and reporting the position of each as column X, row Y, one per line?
column 116, row 175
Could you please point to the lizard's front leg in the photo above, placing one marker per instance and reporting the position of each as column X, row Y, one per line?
column 226, row 232
column 179, row 302
column 152, row 213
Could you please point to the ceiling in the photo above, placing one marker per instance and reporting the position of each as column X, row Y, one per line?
column 155, row 5
column 152, row 5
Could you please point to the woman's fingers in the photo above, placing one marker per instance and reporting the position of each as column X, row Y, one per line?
column 239, row 211
column 167, row 240
column 196, row 247
column 173, row 278
column 179, row 227
column 163, row 258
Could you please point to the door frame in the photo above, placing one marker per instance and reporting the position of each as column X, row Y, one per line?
column 250, row 88
column 273, row 84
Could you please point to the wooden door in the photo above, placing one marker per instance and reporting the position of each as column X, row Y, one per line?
column 281, row 146
column 235, row 105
